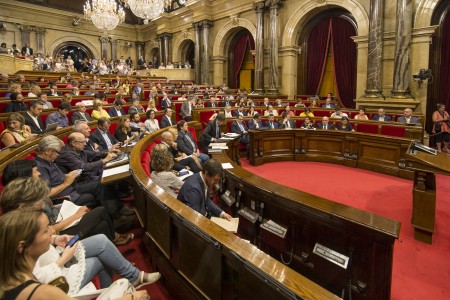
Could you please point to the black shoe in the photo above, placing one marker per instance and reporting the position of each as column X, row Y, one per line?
column 124, row 223
column 126, row 211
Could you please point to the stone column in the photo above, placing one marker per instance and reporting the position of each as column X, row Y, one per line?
column 374, row 65
column 161, row 49
column 140, row 50
column 24, row 35
column 273, row 46
column 217, row 63
column 113, row 48
column 167, row 52
column 197, row 28
column 402, row 50
column 40, row 33
column 259, row 45
column 205, row 61
column 104, row 47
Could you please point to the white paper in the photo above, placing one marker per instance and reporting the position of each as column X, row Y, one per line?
column 227, row 166
column 231, row 134
column 67, row 210
column 231, row 225
column 87, row 102
column 87, row 292
column 116, row 170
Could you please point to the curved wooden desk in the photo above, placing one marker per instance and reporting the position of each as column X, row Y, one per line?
column 372, row 152
column 193, row 252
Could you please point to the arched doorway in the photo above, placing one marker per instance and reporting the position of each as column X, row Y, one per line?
column 327, row 62
column 241, row 64
column 439, row 89
column 154, row 60
column 77, row 51
column 187, row 52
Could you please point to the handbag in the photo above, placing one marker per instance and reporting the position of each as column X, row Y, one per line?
column 117, row 289
column 61, row 283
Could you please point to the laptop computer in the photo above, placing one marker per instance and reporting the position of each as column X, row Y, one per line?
column 51, row 127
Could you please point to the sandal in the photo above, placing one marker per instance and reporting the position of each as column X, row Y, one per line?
column 123, row 239
column 146, row 278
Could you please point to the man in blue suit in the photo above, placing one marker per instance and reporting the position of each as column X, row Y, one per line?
column 255, row 123
column 117, row 110
column 195, row 191
column 382, row 116
column 271, row 123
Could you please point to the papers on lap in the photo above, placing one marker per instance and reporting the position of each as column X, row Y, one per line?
column 67, row 210
column 116, row 170
column 231, row 226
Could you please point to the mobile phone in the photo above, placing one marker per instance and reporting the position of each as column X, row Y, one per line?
column 73, row 241
column 79, row 171
column 181, row 173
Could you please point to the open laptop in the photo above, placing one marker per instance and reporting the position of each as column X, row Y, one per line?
column 122, row 155
column 49, row 128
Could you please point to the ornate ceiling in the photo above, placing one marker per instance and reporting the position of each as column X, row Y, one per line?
column 76, row 6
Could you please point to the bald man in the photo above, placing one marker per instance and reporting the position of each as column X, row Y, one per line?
column 325, row 125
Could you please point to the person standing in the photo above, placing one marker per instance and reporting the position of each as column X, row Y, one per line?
column 441, row 127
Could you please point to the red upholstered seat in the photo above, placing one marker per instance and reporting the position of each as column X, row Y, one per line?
column 367, row 128
column 205, row 115
column 178, row 110
column 145, row 162
column 392, row 130
column 321, row 113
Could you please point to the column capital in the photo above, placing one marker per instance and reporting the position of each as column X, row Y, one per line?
column 25, row 28
column 197, row 26
column 206, row 23
column 273, row 4
column 40, row 30
column 166, row 35
column 139, row 43
column 103, row 39
column 259, row 7
column 114, row 42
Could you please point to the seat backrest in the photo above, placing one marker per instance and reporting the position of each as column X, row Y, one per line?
column 367, row 128
column 392, row 130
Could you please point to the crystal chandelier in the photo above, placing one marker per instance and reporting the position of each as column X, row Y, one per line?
column 151, row 9
column 105, row 14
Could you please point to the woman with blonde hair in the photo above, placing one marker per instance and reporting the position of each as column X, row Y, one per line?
column 151, row 105
column 34, row 91
column 162, row 175
column 67, row 98
column 98, row 111
column 26, row 246
column 16, row 131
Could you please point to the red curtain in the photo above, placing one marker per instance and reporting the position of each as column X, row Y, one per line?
column 317, row 51
column 240, row 50
column 344, row 55
column 444, row 84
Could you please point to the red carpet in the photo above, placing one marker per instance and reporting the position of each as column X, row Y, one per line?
column 420, row 271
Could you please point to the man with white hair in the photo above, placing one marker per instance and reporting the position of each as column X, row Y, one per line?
column 408, row 118
column 80, row 114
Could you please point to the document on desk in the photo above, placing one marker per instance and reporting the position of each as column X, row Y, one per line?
column 227, row 166
column 231, row 134
column 221, row 146
column 116, row 170
column 231, row 225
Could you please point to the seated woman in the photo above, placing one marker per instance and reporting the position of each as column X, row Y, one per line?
column 30, row 258
column 124, row 131
column 362, row 114
column 288, row 110
column 308, row 123
column 307, row 113
column 126, row 86
column 16, row 131
column 344, row 125
column 34, row 90
column 300, row 103
column 314, row 103
column 24, row 188
column 151, row 105
column 338, row 114
column 162, row 163
column 151, row 124
column 251, row 112
column 98, row 111
column 200, row 103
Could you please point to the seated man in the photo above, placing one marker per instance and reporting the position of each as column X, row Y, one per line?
column 408, row 118
column 255, row 123
column 271, row 123
column 338, row 114
column 166, row 120
column 43, row 98
column 382, row 116
column 212, row 132
column 228, row 112
column 239, row 127
column 73, row 157
column 181, row 161
column 16, row 103
column 328, row 103
column 136, row 107
column 102, row 137
column 117, row 110
column 195, row 192
column 33, row 117
column 54, row 90
column 186, row 143
column 60, row 116
column 286, row 122
column 240, row 111
column 325, row 125
column 80, row 114
column 135, row 123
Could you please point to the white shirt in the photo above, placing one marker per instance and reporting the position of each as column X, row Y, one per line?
column 35, row 120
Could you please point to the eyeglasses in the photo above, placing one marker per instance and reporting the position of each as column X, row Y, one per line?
column 57, row 152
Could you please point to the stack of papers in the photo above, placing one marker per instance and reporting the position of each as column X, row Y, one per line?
column 231, row 225
column 116, row 170
column 221, row 146
column 231, row 134
column 67, row 210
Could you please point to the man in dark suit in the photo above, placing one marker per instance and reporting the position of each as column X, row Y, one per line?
column 382, row 116
column 166, row 120
column 328, row 103
column 408, row 118
column 80, row 114
column 212, row 132
column 181, row 161
column 165, row 102
column 186, row 109
column 212, row 102
column 227, row 102
column 33, row 117
column 286, row 122
column 27, row 50
column 239, row 127
column 186, row 143
column 195, row 192
column 271, row 123
column 117, row 110
column 240, row 111
column 255, row 123
column 102, row 137
column 54, row 90
column 325, row 125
